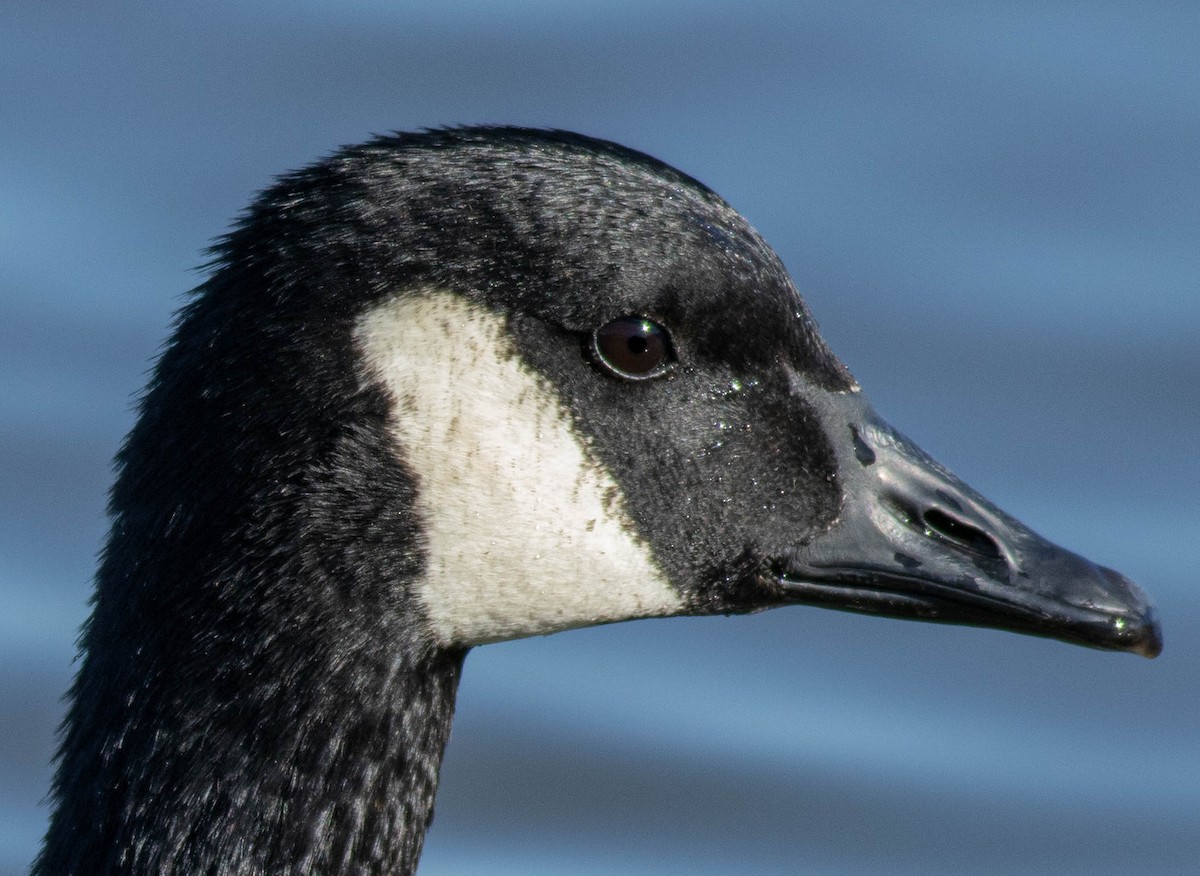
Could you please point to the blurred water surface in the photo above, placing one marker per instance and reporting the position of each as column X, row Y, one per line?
column 994, row 211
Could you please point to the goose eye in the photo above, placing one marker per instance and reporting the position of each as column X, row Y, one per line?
column 633, row 347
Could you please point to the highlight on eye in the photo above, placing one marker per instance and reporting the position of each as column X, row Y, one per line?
column 633, row 348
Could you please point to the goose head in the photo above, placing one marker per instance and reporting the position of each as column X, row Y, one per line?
column 462, row 386
column 629, row 412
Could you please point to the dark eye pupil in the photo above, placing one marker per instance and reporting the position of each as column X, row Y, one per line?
column 633, row 347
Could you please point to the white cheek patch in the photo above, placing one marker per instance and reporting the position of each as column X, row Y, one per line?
column 525, row 531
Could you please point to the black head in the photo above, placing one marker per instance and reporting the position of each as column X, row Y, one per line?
column 734, row 446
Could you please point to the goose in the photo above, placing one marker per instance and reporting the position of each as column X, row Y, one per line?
column 461, row 386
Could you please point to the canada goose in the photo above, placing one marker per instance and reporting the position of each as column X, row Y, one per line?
column 457, row 387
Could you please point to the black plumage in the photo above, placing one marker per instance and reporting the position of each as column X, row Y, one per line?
column 259, row 691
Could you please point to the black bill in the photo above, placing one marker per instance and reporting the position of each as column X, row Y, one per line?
column 913, row 541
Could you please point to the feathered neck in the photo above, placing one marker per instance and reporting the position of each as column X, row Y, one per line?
column 332, row 770
column 258, row 692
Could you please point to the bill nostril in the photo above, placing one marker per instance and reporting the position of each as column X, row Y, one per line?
column 962, row 534
column 946, row 527
column 935, row 523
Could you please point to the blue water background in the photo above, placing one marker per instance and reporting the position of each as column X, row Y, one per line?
column 994, row 211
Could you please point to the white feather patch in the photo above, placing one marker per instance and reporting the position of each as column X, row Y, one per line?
column 525, row 530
